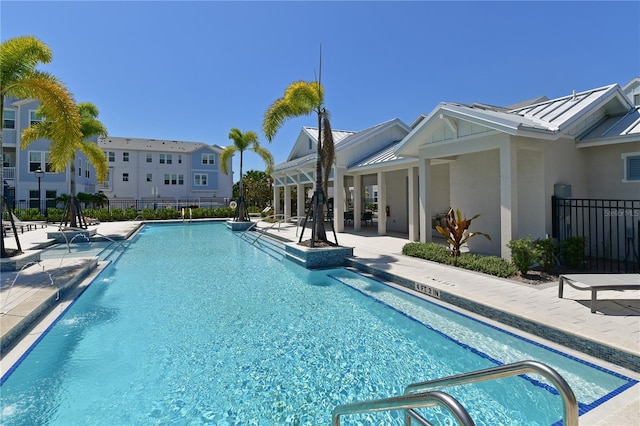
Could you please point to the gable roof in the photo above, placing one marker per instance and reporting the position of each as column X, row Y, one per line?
column 622, row 128
column 301, row 146
column 550, row 119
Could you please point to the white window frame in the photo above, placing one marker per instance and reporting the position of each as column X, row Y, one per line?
column 33, row 117
column 111, row 156
column 149, row 157
column 169, row 158
column 43, row 163
column 162, row 159
column 149, row 177
column 625, row 158
column 6, row 119
column 125, row 157
column 200, row 179
column 208, row 159
column 125, row 177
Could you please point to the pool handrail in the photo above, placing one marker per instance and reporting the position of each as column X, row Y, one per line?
column 569, row 401
column 263, row 231
column 406, row 402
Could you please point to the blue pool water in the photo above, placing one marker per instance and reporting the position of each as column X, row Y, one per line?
column 193, row 325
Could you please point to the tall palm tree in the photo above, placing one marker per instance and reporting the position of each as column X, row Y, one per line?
column 242, row 142
column 19, row 78
column 63, row 149
column 303, row 98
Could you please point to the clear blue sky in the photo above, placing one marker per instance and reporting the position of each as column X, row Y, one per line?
column 191, row 71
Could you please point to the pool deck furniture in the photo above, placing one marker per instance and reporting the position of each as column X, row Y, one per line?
column 599, row 282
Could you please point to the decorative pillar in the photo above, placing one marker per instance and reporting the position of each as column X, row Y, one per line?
column 382, row 203
column 508, row 196
column 338, row 199
column 357, row 202
column 425, row 200
column 414, row 211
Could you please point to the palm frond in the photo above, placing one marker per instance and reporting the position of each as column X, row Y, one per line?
column 266, row 157
column 225, row 156
column 19, row 57
column 97, row 158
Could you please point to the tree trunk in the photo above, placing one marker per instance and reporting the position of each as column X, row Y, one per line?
column 73, row 223
column 318, row 233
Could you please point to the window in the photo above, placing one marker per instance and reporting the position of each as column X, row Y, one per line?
column 125, row 177
column 39, row 160
column 173, row 179
column 636, row 99
column 208, row 159
column 111, row 156
column 310, row 144
column 179, row 158
column 9, row 119
column 80, row 168
column 87, row 173
column 162, row 159
column 34, row 199
column 169, row 158
column 149, row 177
column 125, row 156
column 631, row 167
column 149, row 157
column 34, row 117
column 200, row 180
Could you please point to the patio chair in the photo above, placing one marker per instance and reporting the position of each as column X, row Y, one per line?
column 29, row 224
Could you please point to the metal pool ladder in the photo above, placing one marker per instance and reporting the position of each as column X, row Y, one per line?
column 426, row 394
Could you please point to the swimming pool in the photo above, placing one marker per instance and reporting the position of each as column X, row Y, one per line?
column 192, row 325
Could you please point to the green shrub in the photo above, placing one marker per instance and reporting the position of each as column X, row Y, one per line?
column 546, row 252
column 30, row 214
column 428, row 251
column 54, row 214
column 118, row 214
column 572, row 252
column 491, row 265
column 522, row 254
column 148, row 214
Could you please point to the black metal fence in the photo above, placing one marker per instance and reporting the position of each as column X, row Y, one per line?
column 151, row 203
column 611, row 229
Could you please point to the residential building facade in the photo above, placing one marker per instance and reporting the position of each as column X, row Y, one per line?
column 142, row 172
column 504, row 163
column 163, row 172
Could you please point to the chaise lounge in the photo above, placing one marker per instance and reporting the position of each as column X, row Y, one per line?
column 599, row 282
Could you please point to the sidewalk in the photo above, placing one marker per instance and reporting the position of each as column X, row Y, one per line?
column 616, row 325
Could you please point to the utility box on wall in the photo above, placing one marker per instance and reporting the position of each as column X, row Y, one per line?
column 561, row 190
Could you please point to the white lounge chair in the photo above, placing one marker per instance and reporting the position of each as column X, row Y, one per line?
column 599, row 282
column 29, row 224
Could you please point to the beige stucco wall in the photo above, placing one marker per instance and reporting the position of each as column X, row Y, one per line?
column 396, row 191
column 475, row 189
column 606, row 171
column 531, row 177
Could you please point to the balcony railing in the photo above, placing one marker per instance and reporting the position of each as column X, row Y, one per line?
column 8, row 172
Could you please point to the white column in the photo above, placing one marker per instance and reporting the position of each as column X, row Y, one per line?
column 382, row 203
column 414, row 211
column 425, row 199
column 508, row 196
column 357, row 201
column 276, row 198
column 338, row 199
column 300, row 197
column 287, row 200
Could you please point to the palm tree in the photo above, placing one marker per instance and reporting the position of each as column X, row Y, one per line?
column 19, row 78
column 303, row 98
column 241, row 142
column 63, row 149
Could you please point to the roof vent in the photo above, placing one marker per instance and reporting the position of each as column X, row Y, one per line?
column 574, row 95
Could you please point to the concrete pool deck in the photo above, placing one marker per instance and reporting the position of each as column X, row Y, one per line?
column 616, row 324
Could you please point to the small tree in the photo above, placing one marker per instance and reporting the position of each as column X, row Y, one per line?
column 241, row 142
column 457, row 231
